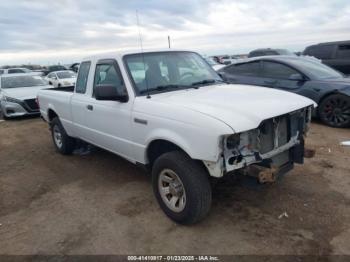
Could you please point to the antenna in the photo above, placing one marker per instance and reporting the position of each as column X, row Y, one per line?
column 169, row 41
column 142, row 53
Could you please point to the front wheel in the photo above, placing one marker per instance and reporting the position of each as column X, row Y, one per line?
column 63, row 143
column 182, row 188
column 334, row 111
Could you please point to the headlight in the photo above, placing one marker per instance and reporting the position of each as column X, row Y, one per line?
column 11, row 100
column 232, row 141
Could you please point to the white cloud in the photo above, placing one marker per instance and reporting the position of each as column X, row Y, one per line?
column 64, row 31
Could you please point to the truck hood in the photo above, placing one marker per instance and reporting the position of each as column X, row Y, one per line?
column 22, row 93
column 242, row 107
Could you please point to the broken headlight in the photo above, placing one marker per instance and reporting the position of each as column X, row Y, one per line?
column 232, row 141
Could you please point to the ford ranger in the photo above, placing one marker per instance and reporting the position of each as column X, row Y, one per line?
column 171, row 112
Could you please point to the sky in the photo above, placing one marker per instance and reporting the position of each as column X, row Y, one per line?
column 65, row 31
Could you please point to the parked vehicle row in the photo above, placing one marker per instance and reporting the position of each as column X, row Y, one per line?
column 324, row 85
column 170, row 112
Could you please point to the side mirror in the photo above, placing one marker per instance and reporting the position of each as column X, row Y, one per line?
column 109, row 93
column 296, row 77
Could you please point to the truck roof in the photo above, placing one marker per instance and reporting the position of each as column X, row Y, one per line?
column 130, row 52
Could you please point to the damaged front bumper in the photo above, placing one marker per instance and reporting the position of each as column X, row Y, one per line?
column 276, row 145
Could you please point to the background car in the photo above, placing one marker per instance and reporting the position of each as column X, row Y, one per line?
column 15, row 71
column 333, row 54
column 74, row 67
column 61, row 78
column 223, row 59
column 18, row 94
column 326, row 86
column 216, row 66
column 269, row 51
column 54, row 68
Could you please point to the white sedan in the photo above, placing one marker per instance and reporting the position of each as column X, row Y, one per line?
column 62, row 78
column 18, row 94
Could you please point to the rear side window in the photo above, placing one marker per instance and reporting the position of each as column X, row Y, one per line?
column 248, row 69
column 343, row 52
column 109, row 74
column 321, row 51
column 277, row 70
column 82, row 78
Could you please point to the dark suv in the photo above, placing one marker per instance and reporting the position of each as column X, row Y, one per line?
column 333, row 54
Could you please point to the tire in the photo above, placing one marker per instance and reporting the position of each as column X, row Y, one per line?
column 334, row 111
column 196, row 190
column 64, row 144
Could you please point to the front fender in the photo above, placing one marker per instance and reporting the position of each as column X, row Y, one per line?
column 345, row 91
column 196, row 145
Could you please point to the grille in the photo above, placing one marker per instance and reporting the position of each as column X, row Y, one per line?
column 31, row 105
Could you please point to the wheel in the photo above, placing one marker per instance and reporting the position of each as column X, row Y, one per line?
column 59, row 85
column 63, row 143
column 334, row 110
column 182, row 188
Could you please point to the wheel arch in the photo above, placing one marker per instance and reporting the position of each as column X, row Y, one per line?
column 160, row 146
column 51, row 114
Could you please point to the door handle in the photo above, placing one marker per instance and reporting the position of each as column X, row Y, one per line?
column 90, row 107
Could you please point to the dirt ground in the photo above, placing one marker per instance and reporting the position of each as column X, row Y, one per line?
column 101, row 204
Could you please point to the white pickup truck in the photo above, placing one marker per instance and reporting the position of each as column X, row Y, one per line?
column 172, row 113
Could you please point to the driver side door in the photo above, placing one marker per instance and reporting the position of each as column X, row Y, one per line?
column 108, row 122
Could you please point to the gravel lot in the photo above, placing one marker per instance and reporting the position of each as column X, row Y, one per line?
column 100, row 204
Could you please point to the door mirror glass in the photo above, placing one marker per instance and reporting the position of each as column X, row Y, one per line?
column 296, row 77
column 109, row 92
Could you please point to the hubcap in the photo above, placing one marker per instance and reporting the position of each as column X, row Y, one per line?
column 336, row 111
column 57, row 136
column 171, row 190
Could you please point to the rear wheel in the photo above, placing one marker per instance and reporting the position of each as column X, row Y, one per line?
column 63, row 143
column 182, row 188
column 334, row 111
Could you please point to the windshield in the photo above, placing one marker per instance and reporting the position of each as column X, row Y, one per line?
column 165, row 71
column 66, row 74
column 317, row 70
column 21, row 81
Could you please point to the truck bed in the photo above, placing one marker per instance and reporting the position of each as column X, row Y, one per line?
column 63, row 89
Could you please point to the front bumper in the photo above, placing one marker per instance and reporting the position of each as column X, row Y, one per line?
column 274, row 143
column 11, row 109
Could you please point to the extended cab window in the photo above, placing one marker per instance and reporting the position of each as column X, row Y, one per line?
column 248, row 69
column 82, row 78
column 109, row 74
column 277, row 70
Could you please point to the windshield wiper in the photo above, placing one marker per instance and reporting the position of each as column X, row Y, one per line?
column 163, row 88
column 206, row 81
